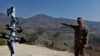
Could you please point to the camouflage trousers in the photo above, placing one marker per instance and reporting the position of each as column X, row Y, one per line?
column 79, row 49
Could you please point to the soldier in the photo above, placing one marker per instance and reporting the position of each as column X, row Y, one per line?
column 81, row 37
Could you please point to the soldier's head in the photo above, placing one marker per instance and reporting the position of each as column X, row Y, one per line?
column 80, row 21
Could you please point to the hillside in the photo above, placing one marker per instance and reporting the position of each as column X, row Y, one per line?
column 33, row 50
column 46, row 31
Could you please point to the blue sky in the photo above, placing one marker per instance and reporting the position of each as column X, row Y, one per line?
column 88, row 9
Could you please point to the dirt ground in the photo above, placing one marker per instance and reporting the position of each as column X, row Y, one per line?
column 33, row 50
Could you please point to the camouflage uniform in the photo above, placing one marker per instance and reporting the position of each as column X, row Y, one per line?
column 81, row 38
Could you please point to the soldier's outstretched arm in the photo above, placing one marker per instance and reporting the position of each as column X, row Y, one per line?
column 69, row 25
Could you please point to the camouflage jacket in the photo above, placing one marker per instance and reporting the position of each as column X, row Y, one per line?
column 80, row 34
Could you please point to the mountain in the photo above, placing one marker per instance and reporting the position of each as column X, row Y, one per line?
column 42, row 20
column 4, row 19
column 46, row 31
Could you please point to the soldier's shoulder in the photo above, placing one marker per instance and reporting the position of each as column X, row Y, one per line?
column 85, row 27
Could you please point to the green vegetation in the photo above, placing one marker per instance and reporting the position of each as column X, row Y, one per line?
column 2, row 42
